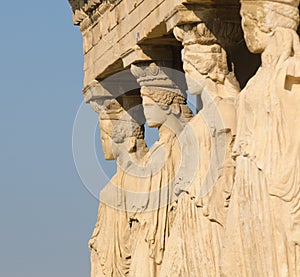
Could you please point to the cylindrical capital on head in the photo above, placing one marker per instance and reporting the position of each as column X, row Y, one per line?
column 273, row 14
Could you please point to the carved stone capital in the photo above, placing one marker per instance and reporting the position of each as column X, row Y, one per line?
column 223, row 33
column 95, row 91
column 204, row 55
column 129, row 102
column 194, row 33
column 152, row 75
column 111, row 87
column 159, row 75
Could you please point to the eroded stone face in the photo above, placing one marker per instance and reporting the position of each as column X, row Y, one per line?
column 218, row 193
column 255, row 38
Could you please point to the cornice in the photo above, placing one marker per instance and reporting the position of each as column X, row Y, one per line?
column 87, row 10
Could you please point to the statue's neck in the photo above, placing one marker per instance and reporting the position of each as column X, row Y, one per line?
column 171, row 128
column 277, row 51
column 124, row 157
column 141, row 149
column 270, row 57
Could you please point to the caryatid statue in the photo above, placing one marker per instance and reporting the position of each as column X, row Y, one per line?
column 263, row 222
column 112, row 239
column 195, row 243
column 165, row 108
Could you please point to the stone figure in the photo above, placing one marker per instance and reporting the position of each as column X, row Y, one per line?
column 194, row 245
column 111, row 242
column 263, row 222
column 164, row 108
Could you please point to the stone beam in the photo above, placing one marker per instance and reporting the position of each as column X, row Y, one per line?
column 195, row 13
column 115, row 32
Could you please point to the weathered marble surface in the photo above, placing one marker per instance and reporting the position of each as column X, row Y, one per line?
column 219, row 193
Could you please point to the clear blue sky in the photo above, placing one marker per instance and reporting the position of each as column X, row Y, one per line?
column 46, row 214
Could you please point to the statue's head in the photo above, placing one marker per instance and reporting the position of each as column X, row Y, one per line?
column 203, row 56
column 163, row 93
column 260, row 19
column 160, row 103
column 119, row 130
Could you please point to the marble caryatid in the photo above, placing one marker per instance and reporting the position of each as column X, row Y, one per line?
column 111, row 242
column 164, row 108
column 263, row 223
column 198, row 229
